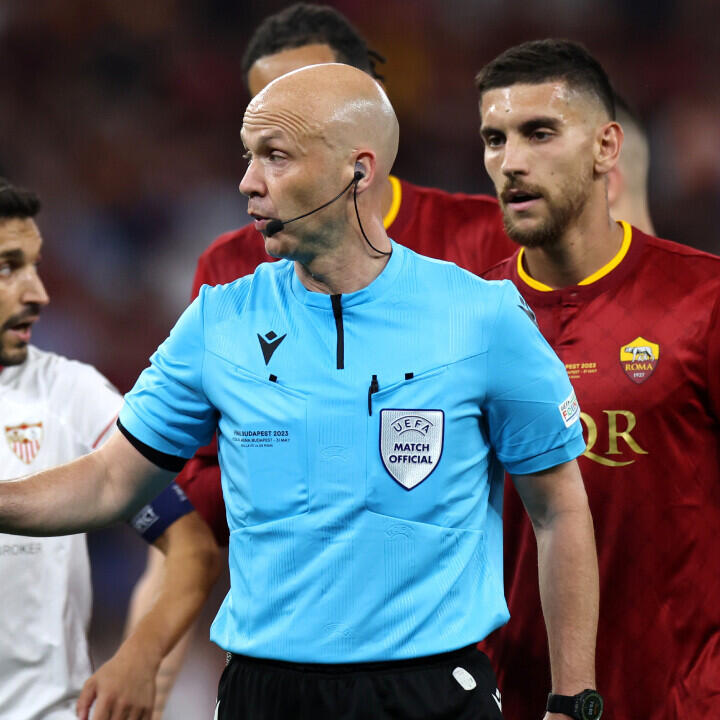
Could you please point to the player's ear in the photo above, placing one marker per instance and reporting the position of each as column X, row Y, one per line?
column 608, row 143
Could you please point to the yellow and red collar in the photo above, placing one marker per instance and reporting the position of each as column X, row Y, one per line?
column 602, row 272
column 396, row 200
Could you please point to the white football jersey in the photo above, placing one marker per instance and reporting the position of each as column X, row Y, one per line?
column 52, row 410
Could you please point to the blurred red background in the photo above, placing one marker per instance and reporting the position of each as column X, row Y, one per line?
column 124, row 116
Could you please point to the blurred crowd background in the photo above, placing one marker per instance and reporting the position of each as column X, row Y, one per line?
column 124, row 116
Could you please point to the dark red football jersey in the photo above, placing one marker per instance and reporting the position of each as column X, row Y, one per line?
column 464, row 229
column 641, row 342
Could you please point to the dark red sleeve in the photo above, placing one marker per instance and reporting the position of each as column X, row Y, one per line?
column 200, row 479
column 201, row 277
column 714, row 360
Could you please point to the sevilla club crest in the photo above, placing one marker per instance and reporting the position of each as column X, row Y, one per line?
column 25, row 440
column 639, row 359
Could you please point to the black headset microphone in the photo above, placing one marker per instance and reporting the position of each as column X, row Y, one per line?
column 276, row 225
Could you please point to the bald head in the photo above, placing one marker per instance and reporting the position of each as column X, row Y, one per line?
column 309, row 134
column 339, row 105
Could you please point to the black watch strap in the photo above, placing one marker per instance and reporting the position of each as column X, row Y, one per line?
column 587, row 705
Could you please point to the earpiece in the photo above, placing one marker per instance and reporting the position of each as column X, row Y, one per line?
column 359, row 172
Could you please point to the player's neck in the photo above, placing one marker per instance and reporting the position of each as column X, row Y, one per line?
column 348, row 267
column 586, row 246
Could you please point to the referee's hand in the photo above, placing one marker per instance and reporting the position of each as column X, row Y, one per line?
column 122, row 689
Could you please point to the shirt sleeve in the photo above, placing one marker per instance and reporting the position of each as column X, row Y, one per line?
column 156, row 517
column 167, row 415
column 94, row 405
column 200, row 479
column 714, row 360
column 531, row 410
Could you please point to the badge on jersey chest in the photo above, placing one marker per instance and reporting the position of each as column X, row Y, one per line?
column 25, row 440
column 411, row 444
column 639, row 359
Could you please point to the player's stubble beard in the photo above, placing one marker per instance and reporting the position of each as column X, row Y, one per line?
column 572, row 199
column 18, row 355
column 12, row 357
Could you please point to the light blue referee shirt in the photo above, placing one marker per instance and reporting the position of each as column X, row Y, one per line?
column 362, row 440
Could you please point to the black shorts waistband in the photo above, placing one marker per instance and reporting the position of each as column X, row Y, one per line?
column 347, row 668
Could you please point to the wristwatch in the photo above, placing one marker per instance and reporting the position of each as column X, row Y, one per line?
column 587, row 705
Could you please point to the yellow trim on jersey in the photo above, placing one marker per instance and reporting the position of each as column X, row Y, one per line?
column 395, row 204
column 622, row 252
column 532, row 282
column 604, row 270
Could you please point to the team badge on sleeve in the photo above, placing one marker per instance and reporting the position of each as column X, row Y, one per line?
column 25, row 440
column 411, row 444
column 639, row 359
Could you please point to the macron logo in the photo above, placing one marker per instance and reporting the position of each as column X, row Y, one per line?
column 269, row 344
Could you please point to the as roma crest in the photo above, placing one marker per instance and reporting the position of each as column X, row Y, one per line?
column 411, row 443
column 639, row 359
column 25, row 440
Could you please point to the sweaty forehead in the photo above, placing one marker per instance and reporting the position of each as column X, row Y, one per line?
column 520, row 102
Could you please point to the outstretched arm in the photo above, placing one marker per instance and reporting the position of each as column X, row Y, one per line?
column 93, row 491
column 125, row 686
column 557, row 504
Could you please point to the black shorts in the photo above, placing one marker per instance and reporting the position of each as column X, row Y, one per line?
column 458, row 685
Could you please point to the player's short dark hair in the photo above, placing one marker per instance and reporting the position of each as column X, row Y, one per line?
column 540, row 61
column 17, row 203
column 304, row 24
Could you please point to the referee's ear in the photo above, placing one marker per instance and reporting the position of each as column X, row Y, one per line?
column 365, row 170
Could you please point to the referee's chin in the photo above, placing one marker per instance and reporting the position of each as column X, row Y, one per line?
column 285, row 246
column 275, row 249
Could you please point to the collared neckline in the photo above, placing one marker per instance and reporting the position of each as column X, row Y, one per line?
column 609, row 275
column 376, row 289
column 594, row 277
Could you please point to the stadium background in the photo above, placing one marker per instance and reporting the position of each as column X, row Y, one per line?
column 124, row 116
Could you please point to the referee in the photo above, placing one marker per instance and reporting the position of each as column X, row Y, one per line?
column 367, row 400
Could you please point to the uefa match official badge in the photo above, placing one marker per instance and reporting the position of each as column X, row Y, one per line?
column 411, row 444
column 25, row 440
column 639, row 359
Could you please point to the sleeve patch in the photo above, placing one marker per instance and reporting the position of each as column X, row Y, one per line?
column 156, row 517
column 569, row 410
column 144, row 520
